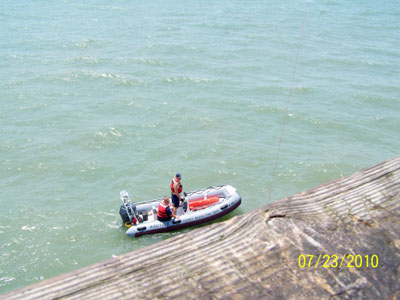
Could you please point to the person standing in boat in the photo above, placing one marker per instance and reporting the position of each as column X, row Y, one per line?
column 164, row 212
column 176, row 190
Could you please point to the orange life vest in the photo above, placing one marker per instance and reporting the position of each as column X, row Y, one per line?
column 162, row 210
column 176, row 179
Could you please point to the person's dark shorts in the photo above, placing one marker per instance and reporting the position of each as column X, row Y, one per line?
column 164, row 219
column 175, row 200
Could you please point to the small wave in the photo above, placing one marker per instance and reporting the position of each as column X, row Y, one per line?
column 79, row 76
column 152, row 61
column 101, row 75
column 28, row 228
column 87, row 59
column 223, row 172
column 187, row 79
column 372, row 63
column 115, row 132
column 114, row 225
column 118, row 8
column 131, row 82
column 265, row 108
column 6, row 279
column 102, row 138
column 302, row 90
column 312, row 121
column 369, row 98
column 110, row 214
column 111, row 131
column 84, row 43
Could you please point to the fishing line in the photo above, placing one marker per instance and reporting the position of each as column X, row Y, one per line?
column 288, row 103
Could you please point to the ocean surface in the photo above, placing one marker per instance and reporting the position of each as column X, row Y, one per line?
column 100, row 96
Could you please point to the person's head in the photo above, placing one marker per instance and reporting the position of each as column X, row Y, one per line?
column 179, row 176
column 166, row 200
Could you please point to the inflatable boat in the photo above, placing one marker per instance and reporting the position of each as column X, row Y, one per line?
column 196, row 208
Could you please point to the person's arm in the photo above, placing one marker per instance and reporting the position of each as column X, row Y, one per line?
column 170, row 213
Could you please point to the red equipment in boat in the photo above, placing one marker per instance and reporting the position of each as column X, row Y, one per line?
column 201, row 203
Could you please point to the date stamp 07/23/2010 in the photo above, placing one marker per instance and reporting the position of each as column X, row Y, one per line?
column 336, row 261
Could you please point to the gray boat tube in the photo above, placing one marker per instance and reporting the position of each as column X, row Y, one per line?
column 228, row 200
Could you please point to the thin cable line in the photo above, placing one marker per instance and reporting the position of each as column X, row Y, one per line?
column 288, row 103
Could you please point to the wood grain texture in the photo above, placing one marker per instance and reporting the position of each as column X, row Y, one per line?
column 255, row 255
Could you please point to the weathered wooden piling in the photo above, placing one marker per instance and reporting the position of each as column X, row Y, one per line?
column 264, row 254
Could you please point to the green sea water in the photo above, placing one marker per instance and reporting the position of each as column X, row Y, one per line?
column 100, row 96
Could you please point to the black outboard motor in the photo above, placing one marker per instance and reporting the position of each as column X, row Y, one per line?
column 126, row 211
column 123, row 214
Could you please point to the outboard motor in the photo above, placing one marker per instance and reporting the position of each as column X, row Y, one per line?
column 124, row 214
column 127, row 210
